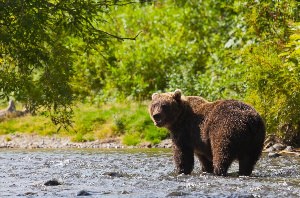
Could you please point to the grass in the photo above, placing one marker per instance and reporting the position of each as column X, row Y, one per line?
column 129, row 121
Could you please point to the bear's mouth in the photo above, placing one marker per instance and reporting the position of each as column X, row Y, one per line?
column 158, row 123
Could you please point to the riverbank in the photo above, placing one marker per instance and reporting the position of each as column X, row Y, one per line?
column 34, row 141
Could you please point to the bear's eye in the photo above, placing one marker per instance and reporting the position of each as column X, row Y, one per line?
column 165, row 106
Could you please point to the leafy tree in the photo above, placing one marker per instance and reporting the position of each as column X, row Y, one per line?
column 37, row 51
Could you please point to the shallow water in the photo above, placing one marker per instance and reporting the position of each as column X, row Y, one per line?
column 136, row 173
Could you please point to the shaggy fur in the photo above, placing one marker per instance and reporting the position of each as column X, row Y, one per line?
column 216, row 132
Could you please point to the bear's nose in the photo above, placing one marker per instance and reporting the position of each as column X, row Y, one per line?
column 157, row 117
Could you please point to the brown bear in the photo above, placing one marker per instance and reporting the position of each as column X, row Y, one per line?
column 216, row 132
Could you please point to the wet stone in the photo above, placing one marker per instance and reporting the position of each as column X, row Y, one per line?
column 268, row 145
column 167, row 143
column 145, row 145
column 114, row 174
column 273, row 155
column 124, row 192
column 30, row 193
column 177, row 194
column 270, row 149
column 240, row 196
column 52, row 182
column 83, row 193
column 279, row 147
column 289, row 148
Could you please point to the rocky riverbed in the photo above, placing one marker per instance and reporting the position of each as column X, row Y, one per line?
column 136, row 172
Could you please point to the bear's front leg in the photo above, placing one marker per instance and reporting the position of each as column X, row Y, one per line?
column 184, row 159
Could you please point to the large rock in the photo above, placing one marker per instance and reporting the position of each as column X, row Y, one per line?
column 11, row 112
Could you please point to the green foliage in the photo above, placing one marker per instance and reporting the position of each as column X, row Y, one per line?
column 132, row 139
column 270, row 67
column 190, row 45
column 154, row 134
column 269, row 20
column 55, row 52
column 8, row 138
column 273, row 76
column 233, row 49
column 79, row 137
column 27, row 124
column 129, row 121
column 175, row 47
column 37, row 51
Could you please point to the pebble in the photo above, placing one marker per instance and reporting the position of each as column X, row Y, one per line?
column 289, row 148
column 30, row 193
column 83, row 193
column 145, row 145
column 270, row 149
column 167, row 143
column 124, row 192
column 177, row 194
column 279, row 147
column 52, row 182
column 273, row 155
column 114, row 174
column 240, row 196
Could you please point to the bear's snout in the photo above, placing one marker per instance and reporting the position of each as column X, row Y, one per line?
column 158, row 119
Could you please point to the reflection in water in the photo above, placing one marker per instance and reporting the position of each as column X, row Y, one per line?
column 136, row 173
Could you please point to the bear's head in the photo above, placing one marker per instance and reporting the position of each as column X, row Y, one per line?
column 165, row 108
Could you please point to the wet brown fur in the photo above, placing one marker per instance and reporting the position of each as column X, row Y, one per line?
column 216, row 132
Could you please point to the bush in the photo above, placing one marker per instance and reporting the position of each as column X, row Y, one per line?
column 272, row 75
column 131, row 139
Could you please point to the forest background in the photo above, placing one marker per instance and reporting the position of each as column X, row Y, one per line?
column 92, row 66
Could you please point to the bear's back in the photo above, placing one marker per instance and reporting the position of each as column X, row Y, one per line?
column 228, row 108
column 196, row 103
column 235, row 122
column 201, row 106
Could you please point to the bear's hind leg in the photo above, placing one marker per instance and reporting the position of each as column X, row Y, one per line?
column 246, row 165
column 223, row 156
column 221, row 165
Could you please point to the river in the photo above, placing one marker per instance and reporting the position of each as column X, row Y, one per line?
column 136, row 173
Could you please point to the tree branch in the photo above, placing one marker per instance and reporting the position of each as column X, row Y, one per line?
column 116, row 4
column 98, row 30
column 119, row 38
column 109, row 34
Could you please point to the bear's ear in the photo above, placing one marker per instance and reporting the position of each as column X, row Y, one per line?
column 177, row 94
column 153, row 95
